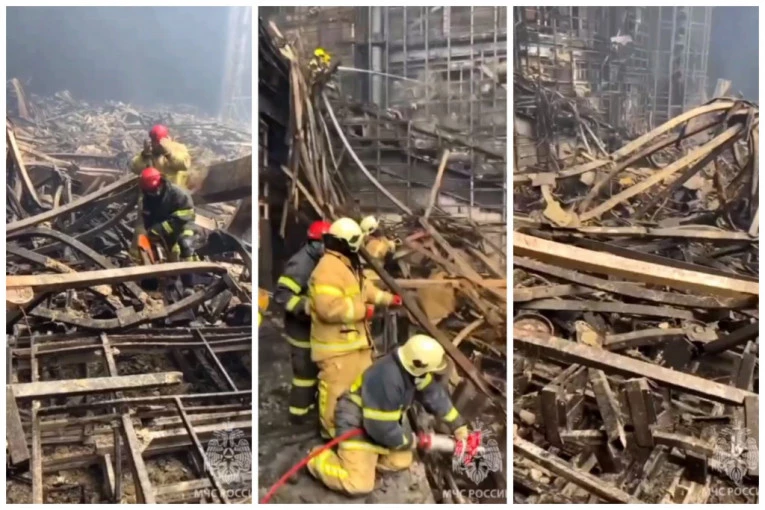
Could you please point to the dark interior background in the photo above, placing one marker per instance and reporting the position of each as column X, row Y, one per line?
column 141, row 55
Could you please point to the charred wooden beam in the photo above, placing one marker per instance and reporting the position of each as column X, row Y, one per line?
column 641, row 409
column 61, row 282
column 569, row 352
column 562, row 468
column 94, row 385
column 576, row 258
column 15, row 438
column 609, row 407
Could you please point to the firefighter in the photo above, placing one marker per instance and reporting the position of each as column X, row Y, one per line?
column 169, row 157
column 377, row 402
column 319, row 63
column 168, row 217
column 292, row 294
column 341, row 303
column 377, row 244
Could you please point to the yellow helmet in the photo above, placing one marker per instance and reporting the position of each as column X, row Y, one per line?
column 422, row 354
column 349, row 231
column 369, row 225
column 319, row 53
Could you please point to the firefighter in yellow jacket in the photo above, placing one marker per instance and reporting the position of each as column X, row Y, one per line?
column 170, row 158
column 376, row 244
column 341, row 303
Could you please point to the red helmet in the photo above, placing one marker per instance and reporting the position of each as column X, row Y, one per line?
column 158, row 132
column 150, row 179
column 317, row 230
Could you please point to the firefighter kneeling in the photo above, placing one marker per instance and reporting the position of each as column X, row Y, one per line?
column 168, row 217
column 377, row 403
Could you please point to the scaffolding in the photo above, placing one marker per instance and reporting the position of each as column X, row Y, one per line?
column 681, row 38
column 408, row 74
column 637, row 66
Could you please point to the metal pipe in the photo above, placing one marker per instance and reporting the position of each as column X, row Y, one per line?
column 379, row 73
column 358, row 162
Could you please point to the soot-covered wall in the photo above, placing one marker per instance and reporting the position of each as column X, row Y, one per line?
column 141, row 55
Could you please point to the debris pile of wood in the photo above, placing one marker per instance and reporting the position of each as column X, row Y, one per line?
column 85, row 323
column 635, row 287
column 62, row 127
column 449, row 270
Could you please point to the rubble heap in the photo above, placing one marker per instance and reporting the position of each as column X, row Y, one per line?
column 449, row 269
column 635, row 287
column 108, row 361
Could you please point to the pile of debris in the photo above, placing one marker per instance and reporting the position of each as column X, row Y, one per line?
column 449, row 270
column 110, row 361
column 60, row 126
column 635, row 286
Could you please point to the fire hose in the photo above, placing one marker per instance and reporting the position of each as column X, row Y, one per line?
column 297, row 467
column 464, row 450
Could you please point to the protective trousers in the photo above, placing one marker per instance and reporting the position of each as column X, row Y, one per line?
column 335, row 377
column 304, row 379
column 352, row 468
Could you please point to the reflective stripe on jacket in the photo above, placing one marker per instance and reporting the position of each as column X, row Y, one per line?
column 168, row 214
column 292, row 294
column 383, row 393
column 338, row 307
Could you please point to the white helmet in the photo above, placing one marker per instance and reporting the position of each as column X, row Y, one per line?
column 349, row 231
column 422, row 354
column 369, row 224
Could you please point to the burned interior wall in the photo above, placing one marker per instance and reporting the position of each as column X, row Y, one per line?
column 142, row 55
column 273, row 150
column 633, row 68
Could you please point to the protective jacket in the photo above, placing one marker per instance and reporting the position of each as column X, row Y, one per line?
column 167, row 214
column 378, row 401
column 292, row 293
column 379, row 247
column 174, row 164
column 338, row 299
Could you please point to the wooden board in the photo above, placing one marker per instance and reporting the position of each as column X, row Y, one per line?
column 573, row 257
